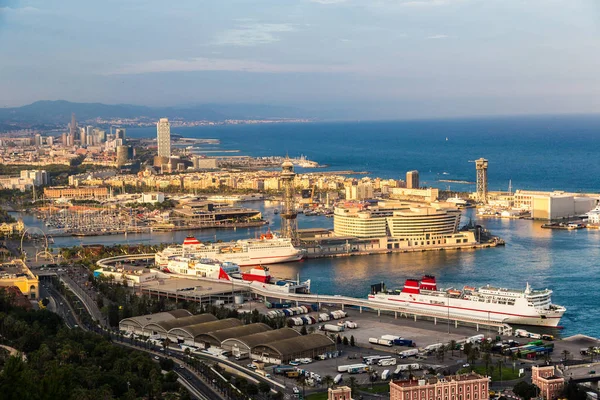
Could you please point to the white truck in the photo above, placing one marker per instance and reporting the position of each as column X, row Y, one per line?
column 382, row 342
column 408, row 353
column 391, row 337
column 345, row 368
column 332, row 328
column 406, row 367
column 385, row 375
column 385, row 362
column 475, row 339
column 337, row 379
column 434, row 347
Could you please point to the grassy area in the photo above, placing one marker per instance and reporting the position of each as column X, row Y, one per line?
column 507, row 372
column 317, row 396
column 377, row 388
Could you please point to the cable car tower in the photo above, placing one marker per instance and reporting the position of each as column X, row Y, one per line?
column 289, row 220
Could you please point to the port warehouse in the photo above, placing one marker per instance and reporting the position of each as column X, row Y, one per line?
column 257, row 341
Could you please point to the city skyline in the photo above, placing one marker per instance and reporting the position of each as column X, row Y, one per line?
column 374, row 60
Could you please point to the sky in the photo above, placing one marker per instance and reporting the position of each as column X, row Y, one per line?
column 375, row 59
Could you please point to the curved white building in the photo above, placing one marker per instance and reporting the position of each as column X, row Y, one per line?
column 400, row 225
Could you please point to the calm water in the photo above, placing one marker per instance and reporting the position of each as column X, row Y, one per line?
column 536, row 153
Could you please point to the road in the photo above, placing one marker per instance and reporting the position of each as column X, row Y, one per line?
column 198, row 388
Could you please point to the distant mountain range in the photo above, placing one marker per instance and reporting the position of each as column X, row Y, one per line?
column 59, row 112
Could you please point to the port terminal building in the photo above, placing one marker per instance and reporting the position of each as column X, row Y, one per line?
column 396, row 225
column 203, row 212
column 17, row 274
column 555, row 205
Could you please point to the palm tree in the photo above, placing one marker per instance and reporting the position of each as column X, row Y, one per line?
column 500, row 365
column 328, row 381
column 513, row 358
column 166, row 343
column 565, row 355
column 302, row 382
column 487, row 359
column 472, row 357
column 352, row 385
column 591, row 353
column 452, row 346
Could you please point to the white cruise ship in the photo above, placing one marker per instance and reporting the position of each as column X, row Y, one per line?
column 524, row 307
column 268, row 249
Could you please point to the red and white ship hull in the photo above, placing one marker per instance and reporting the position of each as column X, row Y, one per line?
column 484, row 304
column 269, row 249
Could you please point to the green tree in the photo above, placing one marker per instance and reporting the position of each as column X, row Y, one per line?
column 352, row 341
column 264, row 388
column 113, row 315
column 353, row 386
column 252, row 389
column 303, row 330
column 328, row 381
column 525, row 390
column 487, row 359
column 565, row 354
column 452, row 347
column 345, row 341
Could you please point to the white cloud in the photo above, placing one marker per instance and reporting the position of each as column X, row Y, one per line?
column 328, row 1
column 19, row 10
column 437, row 37
column 252, row 34
column 223, row 64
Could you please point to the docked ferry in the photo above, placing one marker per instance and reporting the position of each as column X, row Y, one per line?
column 225, row 271
column 487, row 303
column 268, row 249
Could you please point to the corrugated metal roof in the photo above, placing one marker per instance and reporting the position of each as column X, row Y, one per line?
column 266, row 337
column 144, row 320
column 179, row 322
column 299, row 344
column 205, row 327
column 235, row 332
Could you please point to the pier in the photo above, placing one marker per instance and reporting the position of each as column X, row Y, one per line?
column 196, row 293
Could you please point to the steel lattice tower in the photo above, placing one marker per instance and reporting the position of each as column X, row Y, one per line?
column 481, row 166
column 289, row 221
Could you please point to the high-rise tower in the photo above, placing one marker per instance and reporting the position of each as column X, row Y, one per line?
column 73, row 128
column 412, row 179
column 481, row 165
column 163, row 138
column 289, row 220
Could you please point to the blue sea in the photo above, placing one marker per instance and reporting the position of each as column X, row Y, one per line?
column 545, row 153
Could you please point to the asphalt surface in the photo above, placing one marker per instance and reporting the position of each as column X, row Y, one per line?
column 197, row 388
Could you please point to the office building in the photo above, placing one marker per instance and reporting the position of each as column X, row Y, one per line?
column 549, row 383
column 37, row 140
column 360, row 191
column 163, row 138
column 470, row 386
column 73, row 127
column 37, row 177
column 412, row 179
column 124, row 155
column 396, row 225
column 16, row 273
column 120, row 134
column 76, row 193
column 50, row 140
column 339, row 393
